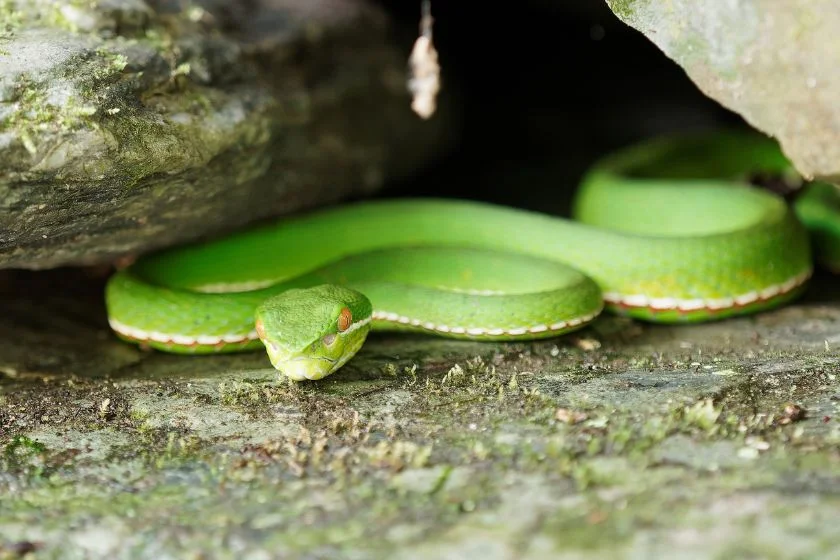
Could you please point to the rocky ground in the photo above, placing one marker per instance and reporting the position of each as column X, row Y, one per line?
column 623, row 441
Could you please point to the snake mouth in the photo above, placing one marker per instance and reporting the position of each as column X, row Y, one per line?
column 302, row 368
column 275, row 350
column 301, row 358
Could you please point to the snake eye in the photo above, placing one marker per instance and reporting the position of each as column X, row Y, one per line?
column 345, row 319
column 329, row 339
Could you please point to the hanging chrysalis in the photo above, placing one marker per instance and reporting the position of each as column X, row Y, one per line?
column 424, row 82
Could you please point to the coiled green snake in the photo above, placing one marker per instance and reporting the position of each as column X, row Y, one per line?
column 668, row 230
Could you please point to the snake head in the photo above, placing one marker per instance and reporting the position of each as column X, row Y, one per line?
column 311, row 332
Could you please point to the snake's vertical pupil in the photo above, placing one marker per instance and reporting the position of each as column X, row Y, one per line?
column 345, row 319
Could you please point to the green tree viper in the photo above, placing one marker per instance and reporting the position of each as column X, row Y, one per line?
column 668, row 230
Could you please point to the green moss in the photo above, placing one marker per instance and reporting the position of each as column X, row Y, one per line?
column 61, row 14
column 22, row 446
column 10, row 19
column 36, row 113
column 624, row 9
column 251, row 393
column 104, row 98
column 24, row 457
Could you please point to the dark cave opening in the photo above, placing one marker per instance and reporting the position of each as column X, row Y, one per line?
column 541, row 90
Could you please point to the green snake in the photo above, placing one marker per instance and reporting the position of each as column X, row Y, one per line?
column 667, row 230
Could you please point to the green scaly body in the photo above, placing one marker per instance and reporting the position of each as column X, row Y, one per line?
column 665, row 231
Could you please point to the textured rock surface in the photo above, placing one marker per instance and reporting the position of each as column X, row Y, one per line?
column 624, row 441
column 774, row 63
column 127, row 125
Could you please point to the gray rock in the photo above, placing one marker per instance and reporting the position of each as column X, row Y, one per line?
column 661, row 441
column 128, row 125
column 774, row 63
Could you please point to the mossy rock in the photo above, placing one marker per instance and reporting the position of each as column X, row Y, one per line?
column 124, row 129
column 774, row 63
column 719, row 440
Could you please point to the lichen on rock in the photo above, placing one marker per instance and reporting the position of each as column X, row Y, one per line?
column 774, row 63
column 127, row 126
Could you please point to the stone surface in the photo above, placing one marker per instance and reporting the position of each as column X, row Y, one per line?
column 622, row 441
column 774, row 63
column 128, row 125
